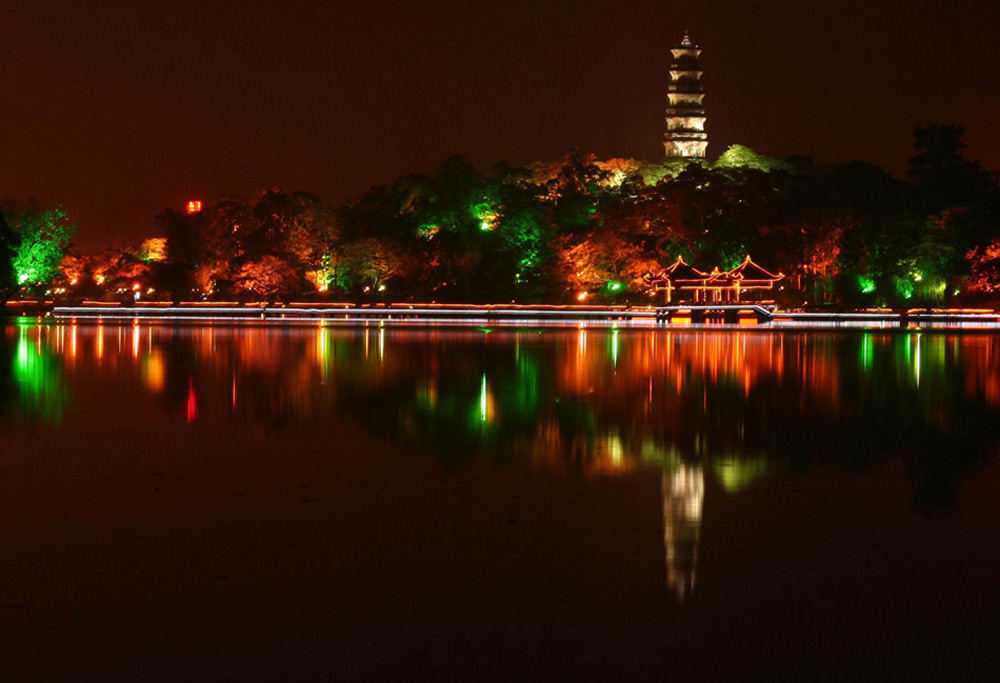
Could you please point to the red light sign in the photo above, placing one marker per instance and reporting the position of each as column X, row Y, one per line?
column 194, row 206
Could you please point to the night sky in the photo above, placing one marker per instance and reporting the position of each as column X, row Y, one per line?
column 117, row 110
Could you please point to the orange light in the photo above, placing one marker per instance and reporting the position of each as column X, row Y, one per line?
column 194, row 206
column 581, row 296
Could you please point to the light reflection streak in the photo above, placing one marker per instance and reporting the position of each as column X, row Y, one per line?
column 483, row 401
column 683, row 491
column 192, row 402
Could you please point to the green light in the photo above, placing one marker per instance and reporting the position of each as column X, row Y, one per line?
column 39, row 381
column 485, row 214
column 867, row 353
column 483, row 400
column 905, row 288
column 614, row 347
column 428, row 230
column 736, row 474
column 614, row 286
column 44, row 234
column 867, row 285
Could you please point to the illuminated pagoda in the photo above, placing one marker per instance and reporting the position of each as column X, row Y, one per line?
column 685, row 136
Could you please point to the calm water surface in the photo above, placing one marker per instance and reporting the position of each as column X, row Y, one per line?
column 251, row 503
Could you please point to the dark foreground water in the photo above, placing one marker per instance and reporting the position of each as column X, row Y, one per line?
column 268, row 503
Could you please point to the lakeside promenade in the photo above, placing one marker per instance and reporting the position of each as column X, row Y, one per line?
column 714, row 315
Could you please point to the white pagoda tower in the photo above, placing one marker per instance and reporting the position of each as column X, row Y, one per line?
column 686, row 136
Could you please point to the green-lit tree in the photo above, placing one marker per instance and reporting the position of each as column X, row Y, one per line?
column 42, row 235
column 740, row 156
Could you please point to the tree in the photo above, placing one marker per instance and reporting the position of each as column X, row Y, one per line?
column 8, row 280
column 985, row 268
column 371, row 263
column 739, row 156
column 943, row 175
column 42, row 236
column 268, row 277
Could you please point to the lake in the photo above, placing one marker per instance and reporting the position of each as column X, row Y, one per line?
column 266, row 502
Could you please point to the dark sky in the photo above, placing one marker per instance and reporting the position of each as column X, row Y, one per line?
column 117, row 110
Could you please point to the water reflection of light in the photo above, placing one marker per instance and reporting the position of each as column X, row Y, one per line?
column 736, row 473
column 483, row 400
column 135, row 339
column 683, row 499
column 100, row 342
column 615, row 450
column 22, row 350
column 154, row 374
column 192, row 402
column 323, row 351
column 487, row 403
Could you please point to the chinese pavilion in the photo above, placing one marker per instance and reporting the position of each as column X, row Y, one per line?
column 685, row 136
column 715, row 287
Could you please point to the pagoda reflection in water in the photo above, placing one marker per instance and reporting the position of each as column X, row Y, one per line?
column 683, row 498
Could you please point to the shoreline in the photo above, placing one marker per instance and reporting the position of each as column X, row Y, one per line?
column 697, row 316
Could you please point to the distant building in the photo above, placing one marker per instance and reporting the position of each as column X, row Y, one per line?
column 686, row 136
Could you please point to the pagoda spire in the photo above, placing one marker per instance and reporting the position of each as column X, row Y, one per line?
column 685, row 136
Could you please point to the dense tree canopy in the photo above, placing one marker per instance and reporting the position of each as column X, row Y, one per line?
column 570, row 229
column 42, row 235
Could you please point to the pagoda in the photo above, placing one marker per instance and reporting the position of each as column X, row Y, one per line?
column 686, row 136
